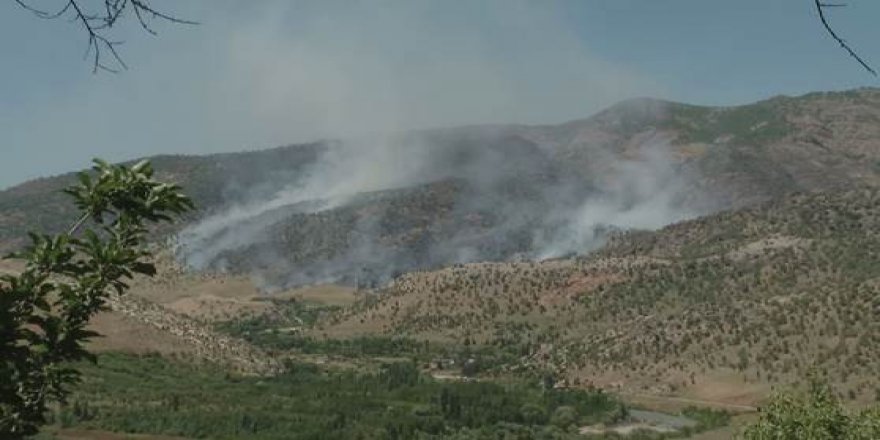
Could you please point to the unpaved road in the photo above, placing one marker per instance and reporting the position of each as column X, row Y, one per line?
column 710, row 403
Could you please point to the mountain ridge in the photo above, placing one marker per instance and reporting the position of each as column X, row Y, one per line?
column 543, row 178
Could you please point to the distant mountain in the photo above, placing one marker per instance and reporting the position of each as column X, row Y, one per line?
column 364, row 210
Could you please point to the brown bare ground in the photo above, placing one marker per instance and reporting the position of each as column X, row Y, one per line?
column 118, row 332
column 579, row 284
column 122, row 333
column 82, row 434
column 138, row 322
column 329, row 294
column 10, row 267
column 207, row 297
column 727, row 388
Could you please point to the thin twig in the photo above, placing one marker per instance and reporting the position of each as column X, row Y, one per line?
column 96, row 41
column 140, row 4
column 78, row 224
column 820, row 7
column 96, row 24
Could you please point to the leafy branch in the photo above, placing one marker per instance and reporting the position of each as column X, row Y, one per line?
column 68, row 278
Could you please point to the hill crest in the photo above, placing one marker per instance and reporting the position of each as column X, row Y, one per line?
column 447, row 196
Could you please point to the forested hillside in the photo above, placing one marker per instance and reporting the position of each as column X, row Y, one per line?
column 755, row 296
column 493, row 193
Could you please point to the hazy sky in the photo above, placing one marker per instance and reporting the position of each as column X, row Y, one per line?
column 258, row 74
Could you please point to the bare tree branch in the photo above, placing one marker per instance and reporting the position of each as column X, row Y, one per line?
column 820, row 7
column 98, row 24
column 41, row 13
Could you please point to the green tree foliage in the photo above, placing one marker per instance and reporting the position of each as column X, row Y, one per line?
column 149, row 394
column 564, row 416
column 68, row 278
column 817, row 415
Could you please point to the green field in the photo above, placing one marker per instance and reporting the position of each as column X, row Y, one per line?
column 153, row 395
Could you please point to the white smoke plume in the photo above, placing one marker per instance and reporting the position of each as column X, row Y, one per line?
column 640, row 193
column 526, row 202
column 359, row 71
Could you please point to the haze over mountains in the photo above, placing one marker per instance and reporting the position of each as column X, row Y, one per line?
column 671, row 254
column 362, row 211
column 517, row 219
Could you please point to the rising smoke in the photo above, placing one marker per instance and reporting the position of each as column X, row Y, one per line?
column 369, row 209
column 372, row 206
